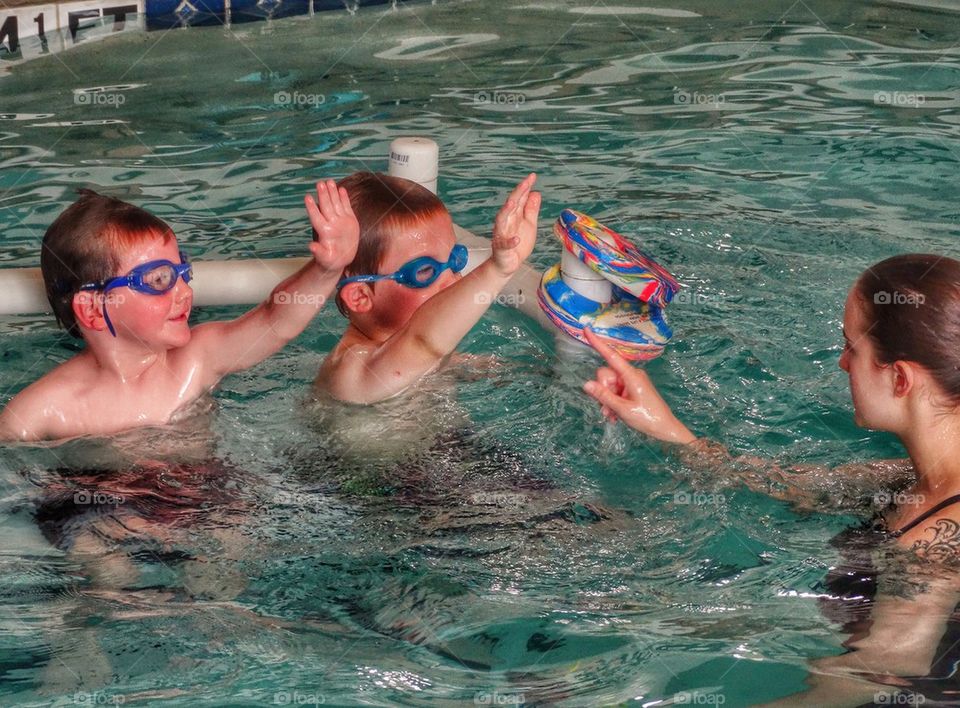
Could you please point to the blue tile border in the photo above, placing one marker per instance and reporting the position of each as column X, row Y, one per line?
column 162, row 14
column 252, row 10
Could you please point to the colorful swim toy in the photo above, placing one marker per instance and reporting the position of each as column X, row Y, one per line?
column 633, row 321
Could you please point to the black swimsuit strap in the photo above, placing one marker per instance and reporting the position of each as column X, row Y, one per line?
column 949, row 501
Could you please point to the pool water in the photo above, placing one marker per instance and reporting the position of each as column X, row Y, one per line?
column 486, row 539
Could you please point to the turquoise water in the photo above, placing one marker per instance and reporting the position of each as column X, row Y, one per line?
column 487, row 540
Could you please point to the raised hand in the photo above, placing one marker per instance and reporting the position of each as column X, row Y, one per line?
column 627, row 393
column 515, row 228
column 335, row 226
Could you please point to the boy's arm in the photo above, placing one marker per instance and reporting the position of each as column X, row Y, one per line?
column 37, row 412
column 16, row 422
column 437, row 327
column 231, row 346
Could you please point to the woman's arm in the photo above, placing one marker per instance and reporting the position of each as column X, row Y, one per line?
column 808, row 487
column 628, row 394
column 902, row 641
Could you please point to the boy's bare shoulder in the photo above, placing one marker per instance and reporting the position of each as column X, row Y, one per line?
column 341, row 373
column 206, row 359
column 37, row 411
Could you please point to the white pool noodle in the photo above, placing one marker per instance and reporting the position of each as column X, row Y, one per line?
column 23, row 292
column 249, row 281
column 239, row 282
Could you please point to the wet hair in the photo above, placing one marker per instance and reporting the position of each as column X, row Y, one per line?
column 384, row 206
column 912, row 307
column 85, row 244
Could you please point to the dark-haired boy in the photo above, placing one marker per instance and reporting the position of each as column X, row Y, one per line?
column 115, row 277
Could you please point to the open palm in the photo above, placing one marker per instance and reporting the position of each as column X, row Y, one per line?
column 335, row 226
column 515, row 228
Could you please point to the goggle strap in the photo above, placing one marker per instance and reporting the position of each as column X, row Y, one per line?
column 454, row 263
column 106, row 318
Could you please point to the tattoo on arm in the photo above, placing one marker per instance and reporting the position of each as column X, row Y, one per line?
column 945, row 544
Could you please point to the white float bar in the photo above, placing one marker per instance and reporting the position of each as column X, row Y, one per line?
column 215, row 283
column 22, row 291
column 248, row 282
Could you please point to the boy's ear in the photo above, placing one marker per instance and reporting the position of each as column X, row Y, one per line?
column 87, row 308
column 357, row 297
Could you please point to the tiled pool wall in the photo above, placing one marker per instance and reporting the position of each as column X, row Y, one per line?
column 33, row 31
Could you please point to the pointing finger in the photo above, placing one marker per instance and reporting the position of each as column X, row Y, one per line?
column 617, row 362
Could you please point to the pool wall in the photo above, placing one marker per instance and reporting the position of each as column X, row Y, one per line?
column 31, row 31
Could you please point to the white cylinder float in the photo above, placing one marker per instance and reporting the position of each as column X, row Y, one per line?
column 416, row 159
column 583, row 280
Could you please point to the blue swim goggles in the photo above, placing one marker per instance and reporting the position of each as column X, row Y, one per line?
column 153, row 278
column 418, row 273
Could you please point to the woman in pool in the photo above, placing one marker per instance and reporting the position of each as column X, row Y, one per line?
column 901, row 331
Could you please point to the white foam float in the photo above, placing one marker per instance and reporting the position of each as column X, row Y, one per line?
column 250, row 281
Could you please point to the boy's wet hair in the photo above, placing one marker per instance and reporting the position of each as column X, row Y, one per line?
column 912, row 307
column 384, row 205
column 84, row 245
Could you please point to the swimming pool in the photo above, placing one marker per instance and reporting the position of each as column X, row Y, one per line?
column 487, row 541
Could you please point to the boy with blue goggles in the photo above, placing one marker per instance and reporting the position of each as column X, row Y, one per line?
column 153, row 278
column 404, row 328
column 143, row 364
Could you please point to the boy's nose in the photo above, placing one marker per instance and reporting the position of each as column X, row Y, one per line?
column 182, row 290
